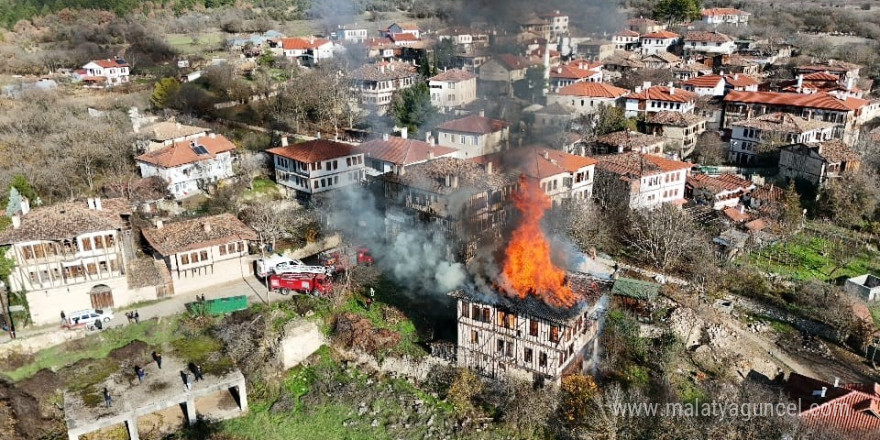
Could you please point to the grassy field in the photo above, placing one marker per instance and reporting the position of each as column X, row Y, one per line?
column 807, row 256
column 189, row 44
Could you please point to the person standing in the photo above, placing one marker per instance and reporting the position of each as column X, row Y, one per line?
column 137, row 317
column 108, row 401
column 141, row 374
column 63, row 318
column 158, row 358
column 369, row 302
column 188, row 380
column 198, row 372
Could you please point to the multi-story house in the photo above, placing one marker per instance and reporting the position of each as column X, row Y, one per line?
column 574, row 72
column 401, row 28
column 719, row 192
column 166, row 133
column 728, row 16
column 842, row 69
column 453, row 88
column 625, row 141
column 708, row 43
column 847, row 115
column 308, row 50
column 587, row 97
column 313, row 167
column 707, row 85
column 625, row 40
column 389, row 153
column 189, row 166
column 817, row 162
column 680, row 129
column 464, row 38
column 105, row 73
column 640, row 180
column 557, row 23
column 474, row 135
column 468, row 202
column 750, row 137
column 644, row 25
column 203, row 251
column 741, row 83
column 351, row 33
column 506, row 336
column 562, row 176
column 72, row 256
column 504, row 70
column 377, row 82
column 654, row 99
column 659, row 41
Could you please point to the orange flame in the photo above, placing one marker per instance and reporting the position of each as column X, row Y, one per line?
column 528, row 269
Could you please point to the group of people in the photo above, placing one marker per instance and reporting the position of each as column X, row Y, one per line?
column 193, row 375
column 133, row 316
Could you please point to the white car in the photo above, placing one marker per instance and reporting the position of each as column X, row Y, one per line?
column 275, row 263
column 89, row 316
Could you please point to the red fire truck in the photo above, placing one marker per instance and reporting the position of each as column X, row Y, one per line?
column 340, row 260
column 311, row 283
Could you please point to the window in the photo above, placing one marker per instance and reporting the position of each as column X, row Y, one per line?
column 194, row 257
column 475, row 337
column 465, row 309
column 348, row 161
column 184, row 259
column 533, row 327
column 476, row 315
column 87, row 244
column 99, row 242
column 239, row 246
column 230, row 248
column 222, row 250
column 92, row 268
column 487, row 315
column 27, row 252
column 527, row 355
column 554, row 333
column 204, row 255
column 542, row 359
column 500, row 347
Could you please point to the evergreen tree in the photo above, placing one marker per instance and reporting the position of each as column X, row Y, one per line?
column 793, row 211
column 163, row 91
column 677, row 11
column 14, row 204
column 412, row 107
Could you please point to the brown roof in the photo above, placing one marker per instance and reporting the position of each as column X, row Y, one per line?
column 783, row 122
column 723, row 11
column 384, row 71
column 453, row 75
column 710, row 37
column 629, row 140
column 737, row 216
column 829, row 66
column 184, row 152
column 636, row 165
column 197, row 233
column 740, row 80
column 431, row 176
column 814, row 100
column 705, row 81
column 821, row 76
column 513, row 62
column 315, row 150
column 641, row 20
column 402, row 151
column 664, row 56
column 536, row 161
column 67, row 220
column 833, row 151
column 723, row 182
column 474, row 124
column 627, row 33
column 850, row 410
column 660, row 35
column 768, row 193
column 593, row 90
column 662, row 93
column 167, row 130
column 675, row 119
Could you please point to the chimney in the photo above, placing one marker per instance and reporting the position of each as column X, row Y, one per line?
column 384, row 136
column 742, row 209
column 404, row 132
column 638, row 89
column 800, row 82
column 646, row 85
column 431, row 154
column 735, row 76
column 16, row 221
column 177, row 124
column 546, row 155
column 836, row 382
column 849, row 83
column 382, row 68
column 159, row 224
column 25, row 206
column 482, row 113
column 206, row 226
column 671, row 89
column 284, row 141
column 91, row 203
column 455, row 181
column 449, row 180
column 489, row 167
column 318, row 135
column 98, row 206
column 559, row 69
column 824, row 390
column 213, row 135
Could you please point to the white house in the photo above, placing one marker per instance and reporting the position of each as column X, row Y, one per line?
column 190, row 165
column 741, row 83
column 203, row 251
column 105, row 73
column 453, row 88
column 625, row 40
column 729, row 16
column 659, row 41
column 574, row 72
column 75, row 255
column 556, row 21
column 474, row 135
column 351, row 33
column 706, row 85
column 641, row 180
column 378, row 82
column 587, row 97
column 389, row 153
column 317, row 166
column 402, row 28
column 309, row 50
column 648, row 99
column 748, row 136
column 708, row 43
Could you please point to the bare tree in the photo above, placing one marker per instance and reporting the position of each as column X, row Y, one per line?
column 665, row 237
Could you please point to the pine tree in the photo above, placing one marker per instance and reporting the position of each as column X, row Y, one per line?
column 14, row 205
column 792, row 211
column 162, row 91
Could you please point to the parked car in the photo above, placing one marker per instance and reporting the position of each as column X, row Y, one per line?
column 90, row 316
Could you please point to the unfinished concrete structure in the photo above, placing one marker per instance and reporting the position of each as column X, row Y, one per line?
column 500, row 334
column 161, row 391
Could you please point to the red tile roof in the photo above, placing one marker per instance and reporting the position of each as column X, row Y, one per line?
column 705, row 81
column 723, row 11
column 537, row 161
column 661, row 35
column 108, row 63
column 710, row 37
column 740, row 80
column 662, row 93
column 513, row 62
column 474, row 124
column 404, row 37
column 821, row 76
column 627, row 33
column 181, row 153
column 453, row 75
column 568, row 71
column 315, row 150
column 592, row 90
column 302, row 43
column 402, row 151
column 816, row 100
column 829, row 66
column 737, row 216
column 636, row 165
column 851, row 410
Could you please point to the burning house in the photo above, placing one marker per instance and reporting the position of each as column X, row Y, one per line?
column 530, row 318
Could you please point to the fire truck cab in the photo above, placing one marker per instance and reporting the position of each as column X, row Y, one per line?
column 340, row 261
column 310, row 283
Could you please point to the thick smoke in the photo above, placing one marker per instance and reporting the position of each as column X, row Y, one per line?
column 418, row 257
column 589, row 16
